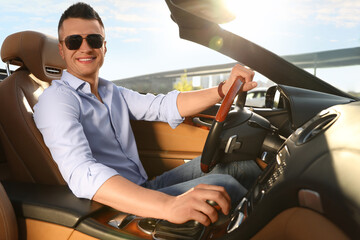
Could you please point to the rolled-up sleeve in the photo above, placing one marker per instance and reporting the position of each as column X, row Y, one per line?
column 151, row 107
column 57, row 115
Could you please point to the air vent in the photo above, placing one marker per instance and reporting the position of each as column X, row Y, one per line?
column 53, row 71
column 317, row 125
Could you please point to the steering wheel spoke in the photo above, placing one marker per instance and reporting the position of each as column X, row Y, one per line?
column 232, row 144
column 211, row 152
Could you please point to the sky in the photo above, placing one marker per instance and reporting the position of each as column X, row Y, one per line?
column 141, row 37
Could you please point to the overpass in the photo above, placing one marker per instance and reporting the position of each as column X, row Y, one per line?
column 216, row 73
column 212, row 75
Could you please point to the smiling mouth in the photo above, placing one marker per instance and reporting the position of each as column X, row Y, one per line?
column 86, row 60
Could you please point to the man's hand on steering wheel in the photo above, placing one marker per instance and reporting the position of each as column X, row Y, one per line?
column 239, row 82
column 246, row 75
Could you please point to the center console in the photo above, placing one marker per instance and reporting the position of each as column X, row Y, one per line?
column 159, row 229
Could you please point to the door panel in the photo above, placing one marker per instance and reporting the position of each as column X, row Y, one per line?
column 162, row 148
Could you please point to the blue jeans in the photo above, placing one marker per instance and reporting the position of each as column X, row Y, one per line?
column 235, row 177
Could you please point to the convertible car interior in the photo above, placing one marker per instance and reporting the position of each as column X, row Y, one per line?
column 306, row 140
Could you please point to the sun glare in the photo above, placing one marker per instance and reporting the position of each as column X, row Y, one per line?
column 232, row 5
column 257, row 18
column 254, row 8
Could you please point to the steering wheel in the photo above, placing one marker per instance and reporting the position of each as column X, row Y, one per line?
column 210, row 154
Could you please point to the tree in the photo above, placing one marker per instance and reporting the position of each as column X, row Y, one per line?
column 183, row 84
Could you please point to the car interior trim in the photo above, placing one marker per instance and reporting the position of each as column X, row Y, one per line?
column 290, row 223
column 54, row 204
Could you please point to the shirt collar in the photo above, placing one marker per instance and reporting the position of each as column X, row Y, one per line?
column 75, row 82
column 82, row 85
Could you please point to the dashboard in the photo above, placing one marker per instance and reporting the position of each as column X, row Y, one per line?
column 288, row 108
column 316, row 168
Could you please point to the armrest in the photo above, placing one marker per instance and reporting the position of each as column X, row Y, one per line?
column 58, row 205
column 55, row 204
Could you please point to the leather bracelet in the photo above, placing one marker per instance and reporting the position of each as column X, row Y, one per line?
column 220, row 91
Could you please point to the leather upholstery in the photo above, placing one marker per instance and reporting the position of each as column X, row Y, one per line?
column 26, row 156
column 37, row 52
column 8, row 225
column 300, row 224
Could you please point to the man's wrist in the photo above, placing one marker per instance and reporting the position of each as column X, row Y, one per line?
column 220, row 90
column 165, row 204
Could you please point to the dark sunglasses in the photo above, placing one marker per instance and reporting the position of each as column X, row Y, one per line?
column 73, row 42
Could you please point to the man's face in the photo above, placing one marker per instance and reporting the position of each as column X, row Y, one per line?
column 84, row 62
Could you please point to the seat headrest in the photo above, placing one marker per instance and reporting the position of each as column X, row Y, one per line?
column 35, row 51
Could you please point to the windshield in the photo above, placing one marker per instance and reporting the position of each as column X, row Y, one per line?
column 321, row 36
column 142, row 39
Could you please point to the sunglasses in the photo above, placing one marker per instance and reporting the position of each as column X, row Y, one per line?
column 73, row 42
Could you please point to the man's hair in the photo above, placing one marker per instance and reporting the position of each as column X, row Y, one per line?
column 80, row 10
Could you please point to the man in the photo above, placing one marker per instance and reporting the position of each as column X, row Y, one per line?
column 85, row 123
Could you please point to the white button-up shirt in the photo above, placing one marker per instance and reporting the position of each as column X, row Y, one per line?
column 92, row 141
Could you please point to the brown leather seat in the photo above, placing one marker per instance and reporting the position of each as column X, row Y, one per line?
column 8, row 225
column 25, row 156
